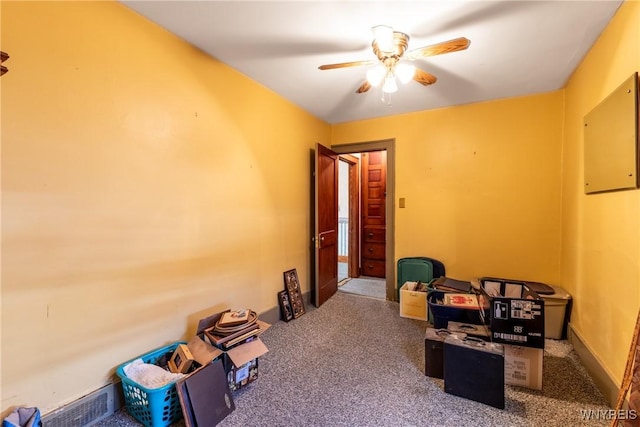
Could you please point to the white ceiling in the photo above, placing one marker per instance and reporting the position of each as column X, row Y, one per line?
column 517, row 47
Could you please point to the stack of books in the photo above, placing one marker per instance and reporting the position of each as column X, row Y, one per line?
column 234, row 327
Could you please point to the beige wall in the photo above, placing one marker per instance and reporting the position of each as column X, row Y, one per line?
column 601, row 232
column 144, row 185
column 481, row 183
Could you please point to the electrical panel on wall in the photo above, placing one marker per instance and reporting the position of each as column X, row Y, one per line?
column 611, row 154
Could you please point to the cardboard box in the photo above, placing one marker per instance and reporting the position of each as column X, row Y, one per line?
column 413, row 303
column 240, row 359
column 181, row 360
column 516, row 312
column 523, row 366
column 203, row 352
column 241, row 363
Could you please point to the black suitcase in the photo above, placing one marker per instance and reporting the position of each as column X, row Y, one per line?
column 434, row 351
column 474, row 369
column 476, row 331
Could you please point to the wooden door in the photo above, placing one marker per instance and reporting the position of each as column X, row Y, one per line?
column 326, row 224
column 374, row 182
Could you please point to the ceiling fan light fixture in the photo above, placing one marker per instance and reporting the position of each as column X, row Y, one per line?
column 375, row 75
column 393, row 64
column 405, row 72
column 383, row 36
column 390, row 85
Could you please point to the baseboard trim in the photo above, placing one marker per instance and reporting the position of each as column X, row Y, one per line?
column 602, row 379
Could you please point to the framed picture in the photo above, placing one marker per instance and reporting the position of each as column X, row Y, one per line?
column 285, row 306
column 292, row 286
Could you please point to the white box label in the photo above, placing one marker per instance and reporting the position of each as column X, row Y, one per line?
column 516, row 370
column 242, row 373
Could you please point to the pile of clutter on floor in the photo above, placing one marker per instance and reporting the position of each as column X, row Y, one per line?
column 195, row 379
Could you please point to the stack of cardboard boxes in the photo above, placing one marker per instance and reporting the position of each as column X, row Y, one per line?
column 506, row 338
column 227, row 347
column 231, row 340
column 221, row 358
column 239, row 344
column 517, row 320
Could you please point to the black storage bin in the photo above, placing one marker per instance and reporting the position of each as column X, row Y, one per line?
column 442, row 314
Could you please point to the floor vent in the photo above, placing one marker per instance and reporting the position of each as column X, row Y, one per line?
column 85, row 411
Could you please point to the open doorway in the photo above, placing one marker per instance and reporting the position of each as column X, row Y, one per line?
column 365, row 215
column 348, row 217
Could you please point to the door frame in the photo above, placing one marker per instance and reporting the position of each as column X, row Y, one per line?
column 354, row 213
column 389, row 146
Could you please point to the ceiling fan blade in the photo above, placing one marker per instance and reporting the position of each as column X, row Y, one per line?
column 424, row 78
column 364, row 87
column 346, row 64
column 454, row 45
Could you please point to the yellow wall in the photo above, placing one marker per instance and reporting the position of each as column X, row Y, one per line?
column 481, row 183
column 144, row 185
column 484, row 185
column 601, row 232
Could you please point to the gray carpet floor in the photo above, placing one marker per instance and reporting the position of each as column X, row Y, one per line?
column 355, row 362
column 366, row 286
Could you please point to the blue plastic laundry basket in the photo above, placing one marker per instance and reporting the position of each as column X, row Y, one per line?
column 157, row 407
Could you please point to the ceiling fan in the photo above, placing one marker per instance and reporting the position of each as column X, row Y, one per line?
column 391, row 47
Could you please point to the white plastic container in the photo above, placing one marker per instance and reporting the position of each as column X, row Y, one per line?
column 555, row 310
